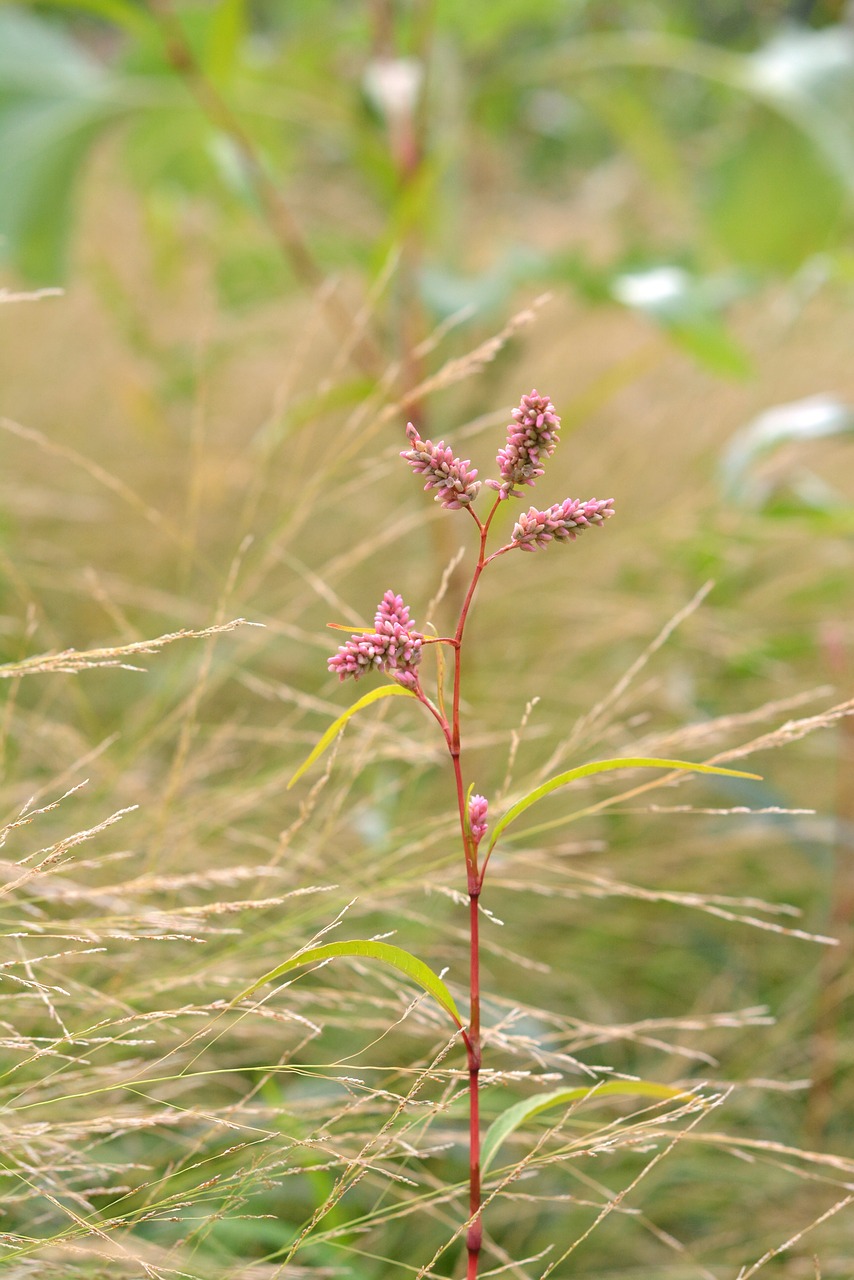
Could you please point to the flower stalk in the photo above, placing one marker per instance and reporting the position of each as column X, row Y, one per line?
column 396, row 648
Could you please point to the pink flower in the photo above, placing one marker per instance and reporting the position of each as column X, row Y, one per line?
column 394, row 646
column 532, row 436
column 478, row 806
column 456, row 484
column 564, row 521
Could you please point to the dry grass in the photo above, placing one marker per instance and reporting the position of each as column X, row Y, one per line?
column 150, row 1127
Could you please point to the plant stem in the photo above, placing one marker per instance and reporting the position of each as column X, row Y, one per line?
column 474, row 883
column 474, row 1235
column 474, row 879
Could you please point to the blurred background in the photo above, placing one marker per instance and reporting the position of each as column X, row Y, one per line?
column 241, row 244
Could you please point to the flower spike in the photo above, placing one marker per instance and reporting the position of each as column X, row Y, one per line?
column 456, row 484
column 394, row 647
column 563, row 521
column 531, row 437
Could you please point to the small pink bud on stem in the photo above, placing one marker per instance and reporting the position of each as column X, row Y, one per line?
column 478, row 807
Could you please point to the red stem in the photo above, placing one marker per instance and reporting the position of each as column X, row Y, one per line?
column 474, row 879
column 474, row 1235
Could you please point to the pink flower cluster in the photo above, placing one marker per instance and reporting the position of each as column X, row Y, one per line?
column 478, row 807
column 532, row 436
column 394, row 647
column 456, row 484
column 564, row 521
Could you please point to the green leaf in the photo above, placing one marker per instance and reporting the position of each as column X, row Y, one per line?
column 688, row 308
column 627, row 109
column 711, row 344
column 799, row 422
column 39, row 59
column 399, row 959
column 808, row 76
column 516, row 1115
column 247, row 274
column 603, row 766
column 225, row 36
column 121, row 12
column 54, row 102
column 385, row 691
column 775, row 168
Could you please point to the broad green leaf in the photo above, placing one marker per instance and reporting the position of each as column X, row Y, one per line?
column 399, row 959
column 794, row 159
column 516, row 1115
column 604, row 766
column 776, row 168
column 43, row 148
column 770, row 78
column 37, row 58
column 385, row 691
column 808, row 76
column 54, row 102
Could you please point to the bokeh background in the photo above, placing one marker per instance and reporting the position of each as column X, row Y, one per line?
column 280, row 231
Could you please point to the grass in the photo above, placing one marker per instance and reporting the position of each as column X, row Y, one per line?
column 148, row 1128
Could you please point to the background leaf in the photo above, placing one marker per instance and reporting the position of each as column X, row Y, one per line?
column 54, row 103
column 799, row 422
column 689, row 309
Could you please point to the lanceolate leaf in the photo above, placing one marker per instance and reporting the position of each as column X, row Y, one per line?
column 385, row 691
column 516, row 1115
column 603, row 766
column 394, row 956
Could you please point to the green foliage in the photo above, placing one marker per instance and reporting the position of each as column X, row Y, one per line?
column 396, row 957
column 773, row 202
column 745, row 476
column 689, row 310
column 55, row 101
column 764, row 170
column 518, row 1114
column 600, row 766
column 684, row 170
column 384, row 691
